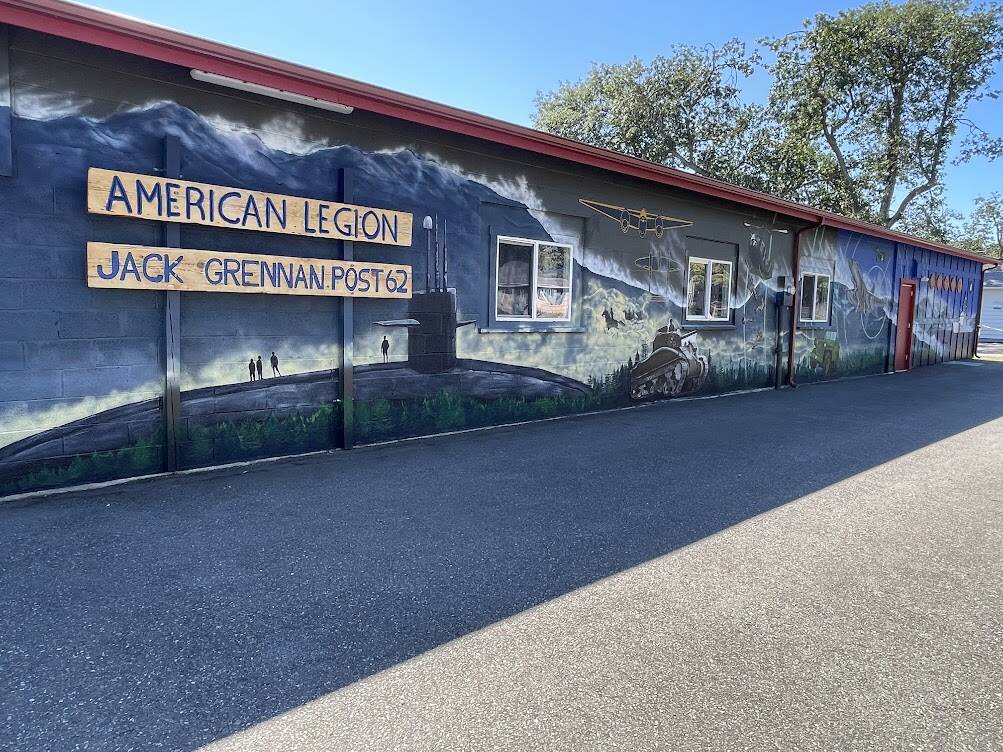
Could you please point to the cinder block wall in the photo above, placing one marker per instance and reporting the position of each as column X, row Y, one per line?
column 60, row 342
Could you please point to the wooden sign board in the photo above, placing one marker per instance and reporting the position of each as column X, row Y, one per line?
column 128, row 194
column 143, row 268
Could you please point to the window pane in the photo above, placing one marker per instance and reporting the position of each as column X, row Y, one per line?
column 515, row 264
column 822, row 299
column 807, row 296
column 553, row 282
column 696, row 289
column 720, row 291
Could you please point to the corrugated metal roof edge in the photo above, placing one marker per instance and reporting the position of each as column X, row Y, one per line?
column 124, row 34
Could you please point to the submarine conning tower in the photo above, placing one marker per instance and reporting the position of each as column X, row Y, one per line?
column 431, row 324
column 431, row 345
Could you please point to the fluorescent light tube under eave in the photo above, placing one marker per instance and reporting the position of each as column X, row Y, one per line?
column 268, row 91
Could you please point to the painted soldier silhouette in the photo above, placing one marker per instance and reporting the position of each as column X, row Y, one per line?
column 250, row 368
column 385, row 347
column 275, row 365
column 259, row 368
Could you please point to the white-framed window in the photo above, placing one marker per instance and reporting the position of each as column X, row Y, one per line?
column 708, row 289
column 815, row 295
column 532, row 280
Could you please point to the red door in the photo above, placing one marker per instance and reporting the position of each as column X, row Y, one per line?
column 903, row 338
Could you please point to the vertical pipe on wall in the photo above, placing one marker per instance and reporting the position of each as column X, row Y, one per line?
column 778, row 378
column 347, row 364
column 172, row 322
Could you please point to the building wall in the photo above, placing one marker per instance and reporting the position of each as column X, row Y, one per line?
column 80, row 393
column 992, row 315
column 856, row 338
column 947, row 303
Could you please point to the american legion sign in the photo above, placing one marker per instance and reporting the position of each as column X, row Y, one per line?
column 161, row 199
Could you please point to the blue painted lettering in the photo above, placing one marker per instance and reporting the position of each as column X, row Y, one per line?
column 337, row 274
column 388, row 228
column 115, row 264
column 191, row 202
column 170, row 269
column 270, row 272
column 247, row 274
column 300, row 277
column 271, row 209
column 172, row 199
column 213, row 275
column 344, row 226
column 251, row 210
column 306, row 219
column 285, row 275
column 154, row 196
column 116, row 192
column 317, row 280
column 146, row 267
column 374, row 232
column 230, row 269
column 222, row 205
column 129, row 266
column 364, row 281
column 322, row 219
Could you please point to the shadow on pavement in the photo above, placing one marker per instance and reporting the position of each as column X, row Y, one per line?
column 168, row 613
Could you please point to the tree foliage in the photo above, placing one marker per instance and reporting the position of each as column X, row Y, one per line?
column 983, row 230
column 683, row 110
column 866, row 109
column 882, row 91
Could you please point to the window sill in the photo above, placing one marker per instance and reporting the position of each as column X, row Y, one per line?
column 539, row 329
column 814, row 325
column 708, row 325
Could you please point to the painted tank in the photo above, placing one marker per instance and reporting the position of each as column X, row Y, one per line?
column 673, row 368
column 824, row 356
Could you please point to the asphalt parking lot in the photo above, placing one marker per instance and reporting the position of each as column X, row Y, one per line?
column 809, row 569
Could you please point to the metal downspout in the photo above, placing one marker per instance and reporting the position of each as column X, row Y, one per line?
column 978, row 308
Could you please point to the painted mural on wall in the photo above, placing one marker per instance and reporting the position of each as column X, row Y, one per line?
column 520, row 307
column 946, row 304
column 846, row 305
column 424, row 366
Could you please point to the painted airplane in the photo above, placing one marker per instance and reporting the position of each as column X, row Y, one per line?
column 636, row 219
column 656, row 264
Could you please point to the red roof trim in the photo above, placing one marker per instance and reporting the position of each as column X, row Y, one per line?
column 124, row 34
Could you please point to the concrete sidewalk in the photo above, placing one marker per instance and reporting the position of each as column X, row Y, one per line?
column 817, row 569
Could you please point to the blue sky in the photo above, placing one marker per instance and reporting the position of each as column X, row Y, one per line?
column 494, row 58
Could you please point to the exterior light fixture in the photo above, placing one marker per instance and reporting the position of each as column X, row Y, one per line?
column 427, row 226
column 268, row 91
